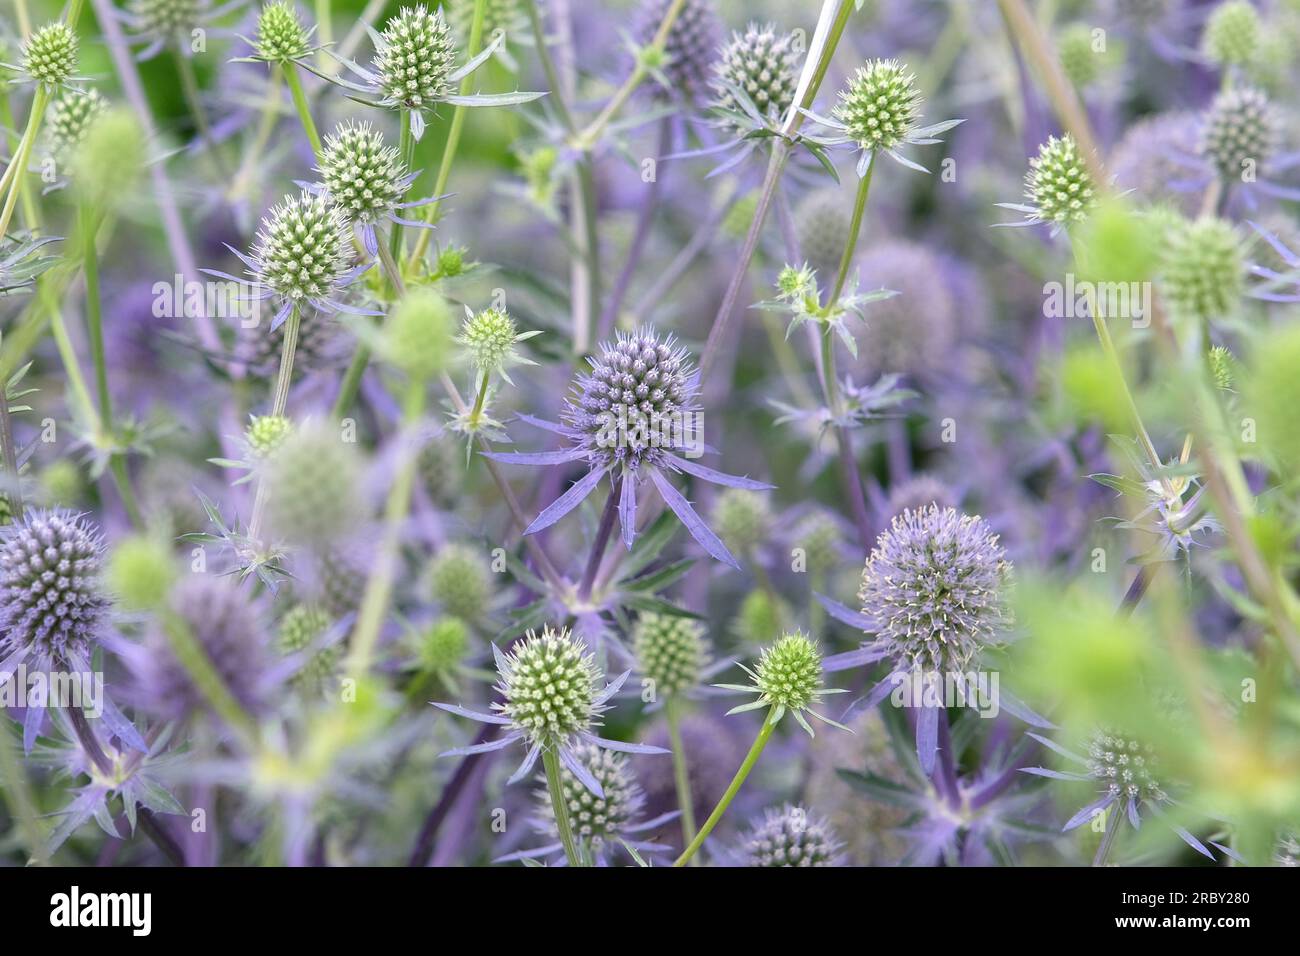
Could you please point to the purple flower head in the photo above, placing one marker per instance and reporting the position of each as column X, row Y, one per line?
column 629, row 417
column 791, row 836
column 600, row 822
column 933, row 589
column 220, row 620
column 51, row 604
column 1155, row 157
column 549, row 700
column 691, row 44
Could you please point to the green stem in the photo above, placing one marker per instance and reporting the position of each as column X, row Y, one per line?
column 855, row 226
column 18, row 165
column 324, row 28
column 453, row 135
column 304, row 110
column 733, row 788
column 14, row 493
column 266, row 125
column 379, row 586
column 279, row 402
column 189, row 652
column 681, row 774
column 479, row 400
column 95, row 317
column 406, row 149
column 190, row 89
column 551, row 761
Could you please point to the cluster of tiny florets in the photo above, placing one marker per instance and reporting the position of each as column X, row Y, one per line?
column 70, row 116
column 761, row 63
column 1202, row 269
column 822, row 221
column 266, row 433
column 791, row 836
column 1080, row 60
column 51, row 602
column 364, row 178
column 691, row 42
column 548, row 684
column 165, row 17
column 933, row 588
column 637, row 387
column 416, row 57
column 1240, row 132
column 219, row 618
column 50, row 55
column 489, row 337
column 303, row 248
column 743, row 518
column 1127, row 767
column 789, row 672
column 311, row 486
column 881, row 105
column 1058, row 183
column 1232, row 33
column 819, row 537
column 280, row 34
column 670, row 650
column 301, row 625
column 459, row 581
column 598, row 819
column 443, row 645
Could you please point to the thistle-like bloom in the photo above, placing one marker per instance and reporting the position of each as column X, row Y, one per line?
column 459, row 580
column 822, row 221
column 878, row 111
column 266, row 433
column 301, row 256
column 51, row 603
column 628, row 417
column 302, row 630
column 490, row 337
column 1058, row 186
column 791, row 836
column 1128, row 775
column 689, row 48
column 1202, row 269
column 366, row 180
column 1240, row 132
column 1232, row 34
column 743, row 519
column 670, row 651
column 763, row 66
column 414, row 68
column 788, row 679
column 281, row 37
column 311, row 484
column 600, row 822
column 71, row 115
column 933, row 596
column 550, row 701
column 49, row 56
column 168, row 24
column 225, row 626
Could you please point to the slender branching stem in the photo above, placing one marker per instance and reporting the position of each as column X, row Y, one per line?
column 681, row 772
column 551, row 762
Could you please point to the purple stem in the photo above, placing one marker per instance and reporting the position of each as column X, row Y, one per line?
column 598, row 546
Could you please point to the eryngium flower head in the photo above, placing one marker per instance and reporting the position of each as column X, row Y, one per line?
column 596, row 819
column 1146, row 159
column 415, row 58
column 637, row 386
column 51, row 604
column 1201, row 269
column 1058, row 183
column 670, row 650
column 912, row 332
column 364, row 178
column 1125, row 766
column 742, row 518
column 311, row 486
column 459, row 580
column 219, row 617
column 266, row 433
column 548, row 684
column 1240, row 132
column 790, row 672
column 881, row 105
column 689, row 49
column 762, row 64
column 933, row 589
column 164, row 17
column 71, row 115
column 50, row 54
column 302, row 625
column 280, row 34
column 443, row 645
column 259, row 348
column 1079, row 58
column 1232, row 33
column 489, row 337
column 818, row 536
column 419, row 334
column 791, row 836
column 303, row 249
column 822, row 222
